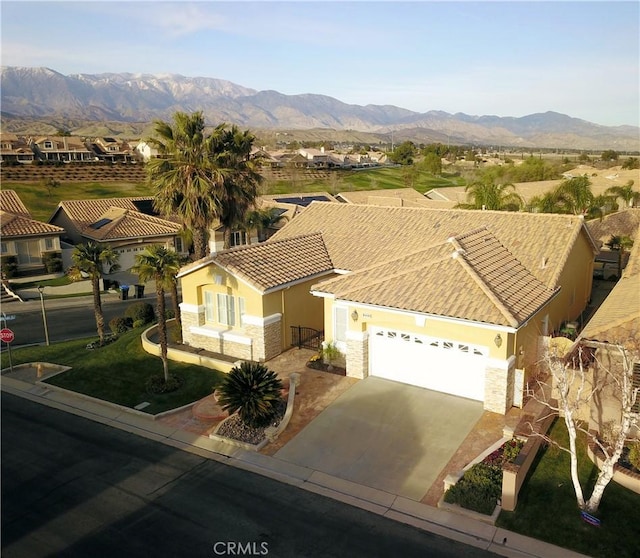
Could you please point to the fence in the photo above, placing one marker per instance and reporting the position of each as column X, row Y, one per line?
column 306, row 337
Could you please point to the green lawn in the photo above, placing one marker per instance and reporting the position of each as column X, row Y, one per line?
column 42, row 206
column 547, row 508
column 118, row 372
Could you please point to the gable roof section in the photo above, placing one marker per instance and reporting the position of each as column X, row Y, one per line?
column 470, row 277
column 617, row 320
column 11, row 203
column 620, row 223
column 358, row 236
column 116, row 218
column 20, row 226
column 271, row 265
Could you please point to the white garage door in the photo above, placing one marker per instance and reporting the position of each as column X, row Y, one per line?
column 429, row 362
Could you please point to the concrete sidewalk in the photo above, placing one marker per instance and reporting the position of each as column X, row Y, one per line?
column 443, row 523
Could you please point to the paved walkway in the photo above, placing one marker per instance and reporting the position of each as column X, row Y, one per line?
column 390, row 505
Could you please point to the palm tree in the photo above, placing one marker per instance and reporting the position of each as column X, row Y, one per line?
column 626, row 193
column 621, row 244
column 488, row 195
column 550, row 202
column 161, row 265
column 254, row 391
column 239, row 188
column 185, row 178
column 577, row 193
column 93, row 258
column 264, row 220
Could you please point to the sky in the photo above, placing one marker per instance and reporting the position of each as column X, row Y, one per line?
column 480, row 58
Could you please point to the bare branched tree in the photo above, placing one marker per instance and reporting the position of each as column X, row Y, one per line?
column 582, row 384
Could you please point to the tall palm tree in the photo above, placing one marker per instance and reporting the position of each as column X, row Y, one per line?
column 185, row 178
column 93, row 258
column 488, row 195
column 161, row 265
column 626, row 193
column 239, row 187
column 550, row 202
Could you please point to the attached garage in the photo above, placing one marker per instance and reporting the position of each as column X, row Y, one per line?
column 429, row 362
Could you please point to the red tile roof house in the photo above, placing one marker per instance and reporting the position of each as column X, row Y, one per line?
column 462, row 302
column 24, row 238
column 128, row 225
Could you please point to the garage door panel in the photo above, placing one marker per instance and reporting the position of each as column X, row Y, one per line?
column 432, row 363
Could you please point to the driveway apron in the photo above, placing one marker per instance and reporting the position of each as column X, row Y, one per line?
column 385, row 435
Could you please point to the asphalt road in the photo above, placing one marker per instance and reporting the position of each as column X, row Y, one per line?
column 63, row 323
column 72, row 487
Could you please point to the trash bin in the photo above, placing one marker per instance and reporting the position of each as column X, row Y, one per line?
column 124, row 292
column 139, row 291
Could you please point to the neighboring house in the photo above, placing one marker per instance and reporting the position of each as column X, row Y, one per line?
column 14, row 149
column 458, row 301
column 61, row 149
column 128, row 225
column 112, row 150
column 397, row 197
column 145, row 151
column 625, row 223
column 615, row 324
column 285, row 205
column 24, row 238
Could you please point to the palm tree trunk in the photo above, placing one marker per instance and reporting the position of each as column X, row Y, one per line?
column 162, row 328
column 200, row 248
column 97, row 306
column 227, row 238
column 176, row 307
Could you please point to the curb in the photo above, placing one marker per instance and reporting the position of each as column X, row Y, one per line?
column 397, row 508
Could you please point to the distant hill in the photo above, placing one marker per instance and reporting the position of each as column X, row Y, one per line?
column 44, row 96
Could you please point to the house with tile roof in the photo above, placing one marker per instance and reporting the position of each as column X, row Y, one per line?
column 395, row 197
column 61, row 149
column 458, row 301
column 128, row 225
column 23, row 239
column 613, row 327
column 14, row 149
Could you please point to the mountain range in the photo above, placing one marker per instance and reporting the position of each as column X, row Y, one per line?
column 42, row 94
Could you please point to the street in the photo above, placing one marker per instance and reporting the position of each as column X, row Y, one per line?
column 65, row 320
column 72, row 487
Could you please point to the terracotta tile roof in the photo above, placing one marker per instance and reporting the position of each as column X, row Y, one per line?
column 621, row 223
column 119, row 223
column 363, row 196
column 617, row 320
column 115, row 218
column 271, row 265
column 470, row 277
column 11, row 203
column 358, row 236
column 12, row 225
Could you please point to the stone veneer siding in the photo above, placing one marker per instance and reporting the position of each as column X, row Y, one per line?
column 498, row 388
column 214, row 344
column 267, row 340
column 357, row 358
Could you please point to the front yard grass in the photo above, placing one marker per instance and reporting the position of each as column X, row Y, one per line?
column 118, row 372
column 547, row 508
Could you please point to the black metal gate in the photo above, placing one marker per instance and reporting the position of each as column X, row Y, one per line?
column 306, row 337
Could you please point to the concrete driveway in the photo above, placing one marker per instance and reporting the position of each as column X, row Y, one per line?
column 385, row 435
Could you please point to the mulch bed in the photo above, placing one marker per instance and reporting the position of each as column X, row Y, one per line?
column 319, row 365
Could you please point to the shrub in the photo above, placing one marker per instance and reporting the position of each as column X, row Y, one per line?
column 118, row 325
column 137, row 323
column 9, row 265
column 511, row 449
column 479, row 489
column 52, row 261
column 156, row 384
column 253, row 391
column 140, row 311
column 634, row 455
column 74, row 274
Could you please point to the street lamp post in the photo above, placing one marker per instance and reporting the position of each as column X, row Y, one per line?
column 44, row 314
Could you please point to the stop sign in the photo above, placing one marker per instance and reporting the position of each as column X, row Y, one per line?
column 6, row 335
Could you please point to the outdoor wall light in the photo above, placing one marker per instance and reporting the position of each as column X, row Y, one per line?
column 354, row 316
column 498, row 340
